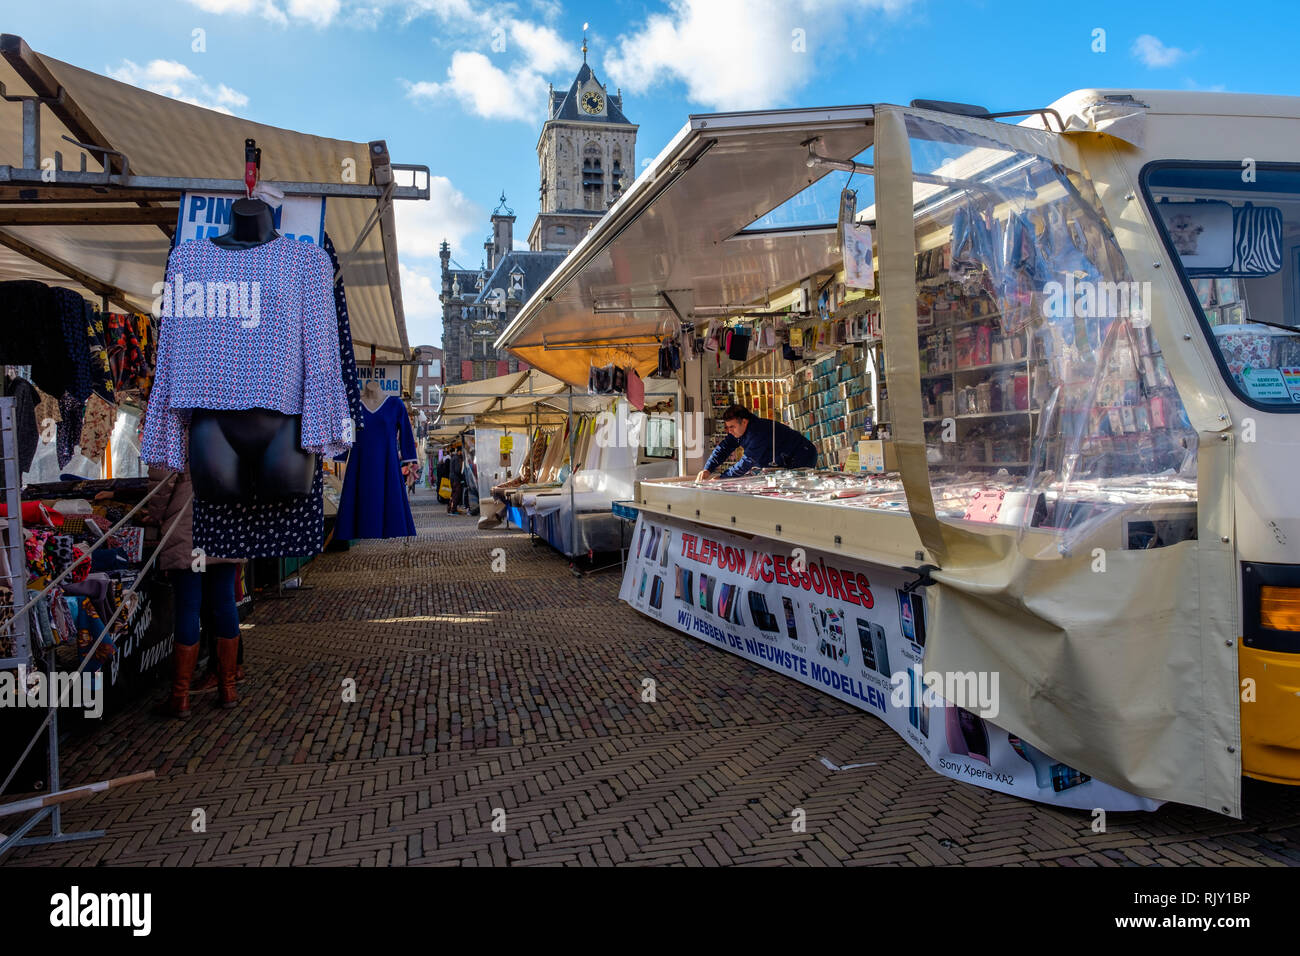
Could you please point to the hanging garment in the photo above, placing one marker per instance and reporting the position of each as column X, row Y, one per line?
column 125, row 352
column 347, row 358
column 47, row 409
column 69, row 428
column 101, row 373
column 276, row 347
column 146, row 332
column 71, row 310
column 282, row 527
column 24, row 420
column 33, row 334
column 96, row 427
column 374, row 502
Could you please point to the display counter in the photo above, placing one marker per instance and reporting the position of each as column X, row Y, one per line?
column 867, row 516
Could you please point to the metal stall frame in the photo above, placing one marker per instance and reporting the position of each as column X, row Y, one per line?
column 30, row 196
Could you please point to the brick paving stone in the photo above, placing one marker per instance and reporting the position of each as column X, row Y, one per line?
column 462, row 708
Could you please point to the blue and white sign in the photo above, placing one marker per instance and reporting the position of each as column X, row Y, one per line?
column 387, row 377
column 204, row 215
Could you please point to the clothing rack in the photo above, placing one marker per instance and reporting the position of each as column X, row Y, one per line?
column 24, row 657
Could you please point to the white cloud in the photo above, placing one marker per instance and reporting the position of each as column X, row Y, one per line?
column 449, row 11
column 448, row 214
column 1154, row 54
column 420, row 303
column 320, row 13
column 316, row 13
column 488, row 91
column 544, row 51
column 500, row 66
column 267, row 9
column 229, row 6
column 737, row 54
column 178, row 81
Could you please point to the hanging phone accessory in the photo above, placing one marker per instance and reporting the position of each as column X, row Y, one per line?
column 711, row 337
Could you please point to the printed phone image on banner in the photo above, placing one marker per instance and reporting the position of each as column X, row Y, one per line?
column 849, row 630
column 684, row 582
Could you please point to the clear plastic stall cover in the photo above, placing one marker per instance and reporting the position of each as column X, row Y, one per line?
column 1043, row 384
column 494, row 465
column 1048, row 464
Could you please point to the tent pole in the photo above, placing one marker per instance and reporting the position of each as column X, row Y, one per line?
column 573, row 540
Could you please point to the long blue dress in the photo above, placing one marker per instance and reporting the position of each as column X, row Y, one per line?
column 374, row 502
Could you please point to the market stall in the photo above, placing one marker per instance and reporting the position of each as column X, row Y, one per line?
column 97, row 383
column 1049, row 549
column 552, row 459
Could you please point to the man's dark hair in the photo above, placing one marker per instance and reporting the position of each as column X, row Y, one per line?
column 735, row 413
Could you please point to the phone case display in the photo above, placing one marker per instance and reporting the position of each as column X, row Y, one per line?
column 979, row 385
column 830, row 402
column 721, row 396
column 765, row 397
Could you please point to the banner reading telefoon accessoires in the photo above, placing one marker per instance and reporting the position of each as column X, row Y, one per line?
column 848, row 629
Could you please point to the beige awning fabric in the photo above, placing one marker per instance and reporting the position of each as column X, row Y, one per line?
column 447, row 434
column 673, row 240
column 533, row 397
column 165, row 137
column 504, row 393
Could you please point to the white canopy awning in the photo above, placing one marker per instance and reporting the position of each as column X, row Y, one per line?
column 674, row 240
column 517, row 391
column 532, row 397
column 163, row 137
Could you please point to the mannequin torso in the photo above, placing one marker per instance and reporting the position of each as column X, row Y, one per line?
column 236, row 454
column 372, row 397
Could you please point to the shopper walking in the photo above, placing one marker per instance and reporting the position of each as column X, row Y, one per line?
column 456, row 469
column 444, row 474
column 198, row 581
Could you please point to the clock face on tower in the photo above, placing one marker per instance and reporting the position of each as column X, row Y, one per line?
column 593, row 102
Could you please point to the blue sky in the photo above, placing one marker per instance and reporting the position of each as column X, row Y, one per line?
column 459, row 85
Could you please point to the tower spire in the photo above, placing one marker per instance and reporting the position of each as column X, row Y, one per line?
column 585, row 26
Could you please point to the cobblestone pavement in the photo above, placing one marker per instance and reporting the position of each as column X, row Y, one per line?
column 521, row 691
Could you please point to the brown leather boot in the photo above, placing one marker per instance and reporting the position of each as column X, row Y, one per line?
column 227, row 664
column 183, row 660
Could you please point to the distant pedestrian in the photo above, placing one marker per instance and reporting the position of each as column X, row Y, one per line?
column 456, row 468
column 444, row 474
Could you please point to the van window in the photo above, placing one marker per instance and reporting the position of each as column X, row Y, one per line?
column 660, row 437
column 1233, row 230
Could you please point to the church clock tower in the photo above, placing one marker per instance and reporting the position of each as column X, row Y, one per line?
column 587, row 158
